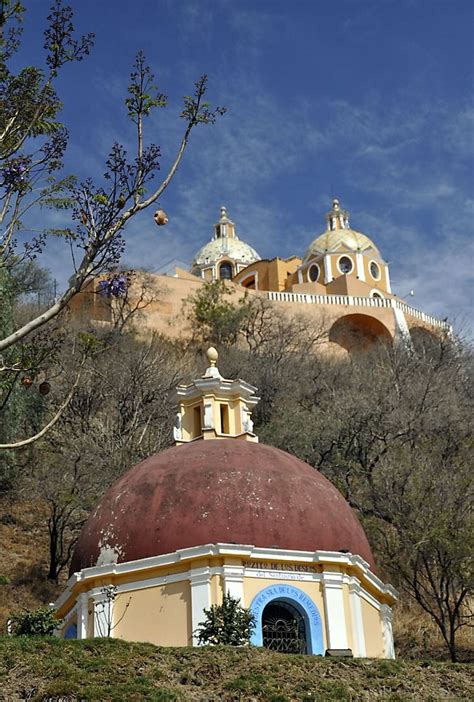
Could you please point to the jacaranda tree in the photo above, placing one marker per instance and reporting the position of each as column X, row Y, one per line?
column 32, row 145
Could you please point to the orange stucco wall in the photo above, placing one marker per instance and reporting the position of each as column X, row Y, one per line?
column 166, row 303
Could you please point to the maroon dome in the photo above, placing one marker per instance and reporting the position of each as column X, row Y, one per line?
column 221, row 491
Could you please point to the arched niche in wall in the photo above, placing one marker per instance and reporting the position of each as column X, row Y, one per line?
column 358, row 332
column 290, row 598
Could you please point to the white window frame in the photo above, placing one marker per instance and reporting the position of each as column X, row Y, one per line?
column 378, row 268
column 252, row 274
column 223, row 262
column 308, row 277
column 338, row 266
column 377, row 293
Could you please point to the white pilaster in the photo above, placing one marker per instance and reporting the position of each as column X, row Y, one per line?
column 200, row 597
column 208, row 418
column 328, row 277
column 358, row 636
column 387, row 631
column 334, row 608
column 387, row 280
column 360, row 266
column 234, row 581
column 82, row 615
column 402, row 333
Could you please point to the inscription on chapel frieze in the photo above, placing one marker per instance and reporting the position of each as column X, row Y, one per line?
column 264, row 565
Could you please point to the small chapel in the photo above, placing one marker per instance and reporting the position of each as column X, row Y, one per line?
column 220, row 513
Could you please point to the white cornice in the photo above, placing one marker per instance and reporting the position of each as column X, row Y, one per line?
column 216, row 386
column 248, row 552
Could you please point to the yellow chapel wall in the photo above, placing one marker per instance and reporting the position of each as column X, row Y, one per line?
column 233, row 415
column 160, row 615
column 347, row 616
column 382, row 283
column 374, row 645
column 272, row 274
column 217, row 590
column 167, row 312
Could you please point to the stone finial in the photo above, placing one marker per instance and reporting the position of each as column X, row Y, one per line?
column 335, row 204
column 212, row 371
column 212, row 355
column 223, row 212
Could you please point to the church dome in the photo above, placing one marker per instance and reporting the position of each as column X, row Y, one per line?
column 225, row 244
column 339, row 237
column 218, row 491
column 341, row 240
column 223, row 247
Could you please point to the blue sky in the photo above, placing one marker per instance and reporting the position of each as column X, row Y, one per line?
column 370, row 101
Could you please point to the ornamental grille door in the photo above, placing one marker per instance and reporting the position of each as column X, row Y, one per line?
column 283, row 628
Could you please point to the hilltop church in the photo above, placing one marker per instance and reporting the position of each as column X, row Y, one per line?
column 341, row 282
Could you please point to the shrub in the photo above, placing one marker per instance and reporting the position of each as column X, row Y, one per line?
column 38, row 622
column 229, row 624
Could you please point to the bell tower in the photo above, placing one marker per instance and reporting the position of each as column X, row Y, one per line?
column 213, row 407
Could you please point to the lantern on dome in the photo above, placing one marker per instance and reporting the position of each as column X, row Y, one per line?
column 160, row 218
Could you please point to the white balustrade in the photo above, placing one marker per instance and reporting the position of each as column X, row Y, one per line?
column 356, row 301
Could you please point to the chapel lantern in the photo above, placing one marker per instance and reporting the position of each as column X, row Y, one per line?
column 213, row 407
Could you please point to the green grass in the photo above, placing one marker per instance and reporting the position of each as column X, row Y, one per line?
column 107, row 670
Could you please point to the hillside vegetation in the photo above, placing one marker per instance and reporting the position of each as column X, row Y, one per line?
column 390, row 427
column 112, row 670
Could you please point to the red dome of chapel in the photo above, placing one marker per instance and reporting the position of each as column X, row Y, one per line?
column 218, row 491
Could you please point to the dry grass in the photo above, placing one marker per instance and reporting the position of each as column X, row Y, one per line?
column 418, row 638
column 23, row 558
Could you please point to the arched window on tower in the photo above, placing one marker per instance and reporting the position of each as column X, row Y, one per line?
column 225, row 271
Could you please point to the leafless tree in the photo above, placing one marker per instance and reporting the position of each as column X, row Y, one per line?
column 120, row 413
column 392, row 429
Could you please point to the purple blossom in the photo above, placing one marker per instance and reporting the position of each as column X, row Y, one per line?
column 15, row 172
column 113, row 287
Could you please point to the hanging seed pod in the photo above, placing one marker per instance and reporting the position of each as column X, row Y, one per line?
column 44, row 388
column 26, row 381
column 160, row 217
column 83, row 217
column 121, row 201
